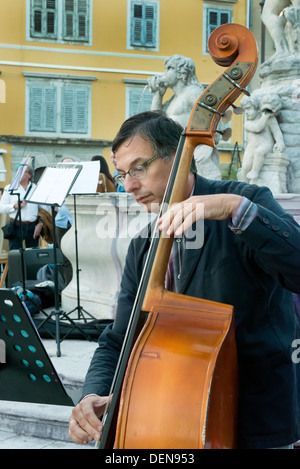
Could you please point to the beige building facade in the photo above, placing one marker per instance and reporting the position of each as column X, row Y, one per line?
column 73, row 70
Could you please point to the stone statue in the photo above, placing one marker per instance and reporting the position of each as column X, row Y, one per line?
column 180, row 76
column 264, row 137
column 281, row 18
column 280, row 74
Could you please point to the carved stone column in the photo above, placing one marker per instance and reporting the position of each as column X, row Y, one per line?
column 105, row 225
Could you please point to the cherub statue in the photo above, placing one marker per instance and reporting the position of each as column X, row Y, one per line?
column 180, row 76
column 263, row 133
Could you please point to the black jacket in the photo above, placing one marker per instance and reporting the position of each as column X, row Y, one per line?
column 255, row 272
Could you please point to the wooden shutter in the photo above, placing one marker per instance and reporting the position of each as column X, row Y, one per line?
column 42, row 108
column 215, row 18
column 50, row 108
column 83, row 20
column 75, row 107
column 225, row 17
column 44, row 18
column 76, row 20
column 150, row 25
column 143, row 24
column 136, row 23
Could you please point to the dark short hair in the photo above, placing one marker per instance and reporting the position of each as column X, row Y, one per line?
column 155, row 127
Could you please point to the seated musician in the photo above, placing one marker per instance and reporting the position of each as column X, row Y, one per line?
column 249, row 259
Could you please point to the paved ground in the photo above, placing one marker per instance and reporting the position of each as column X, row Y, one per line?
column 71, row 366
column 9, row 440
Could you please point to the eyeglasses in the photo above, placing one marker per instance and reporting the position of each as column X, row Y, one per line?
column 137, row 172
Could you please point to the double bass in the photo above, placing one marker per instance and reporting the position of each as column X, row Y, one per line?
column 176, row 383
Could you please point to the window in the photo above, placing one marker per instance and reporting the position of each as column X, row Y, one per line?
column 60, row 20
column 58, row 108
column 44, row 18
column 214, row 17
column 42, row 108
column 143, row 25
column 138, row 99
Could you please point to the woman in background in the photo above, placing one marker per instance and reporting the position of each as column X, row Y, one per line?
column 106, row 182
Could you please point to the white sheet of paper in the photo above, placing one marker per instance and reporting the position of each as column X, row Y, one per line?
column 54, row 185
column 87, row 180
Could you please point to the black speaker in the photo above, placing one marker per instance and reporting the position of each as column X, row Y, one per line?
column 34, row 259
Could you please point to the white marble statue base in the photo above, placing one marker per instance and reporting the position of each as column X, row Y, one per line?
column 105, row 225
column 274, row 173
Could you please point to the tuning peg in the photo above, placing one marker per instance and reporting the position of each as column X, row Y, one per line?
column 227, row 116
column 234, row 83
column 226, row 134
column 237, row 110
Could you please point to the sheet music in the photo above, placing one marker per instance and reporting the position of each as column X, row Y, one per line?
column 87, row 180
column 54, row 185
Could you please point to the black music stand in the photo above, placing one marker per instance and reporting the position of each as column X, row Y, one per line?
column 81, row 312
column 52, row 189
column 85, row 184
column 12, row 187
column 28, row 374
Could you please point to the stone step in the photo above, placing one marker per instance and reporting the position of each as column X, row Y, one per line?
column 9, row 440
column 47, row 425
column 38, row 420
column 36, row 425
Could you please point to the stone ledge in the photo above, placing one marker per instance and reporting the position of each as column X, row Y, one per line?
column 37, row 420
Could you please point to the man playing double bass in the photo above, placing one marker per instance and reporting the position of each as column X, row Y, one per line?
column 250, row 259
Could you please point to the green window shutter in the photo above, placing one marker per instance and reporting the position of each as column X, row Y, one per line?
column 82, row 103
column 43, row 18
column 150, row 25
column 225, row 17
column 35, row 108
column 136, row 24
column 76, row 20
column 42, row 108
column 68, row 110
column 143, row 24
column 83, row 20
column 50, row 109
column 214, row 19
column 75, row 106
